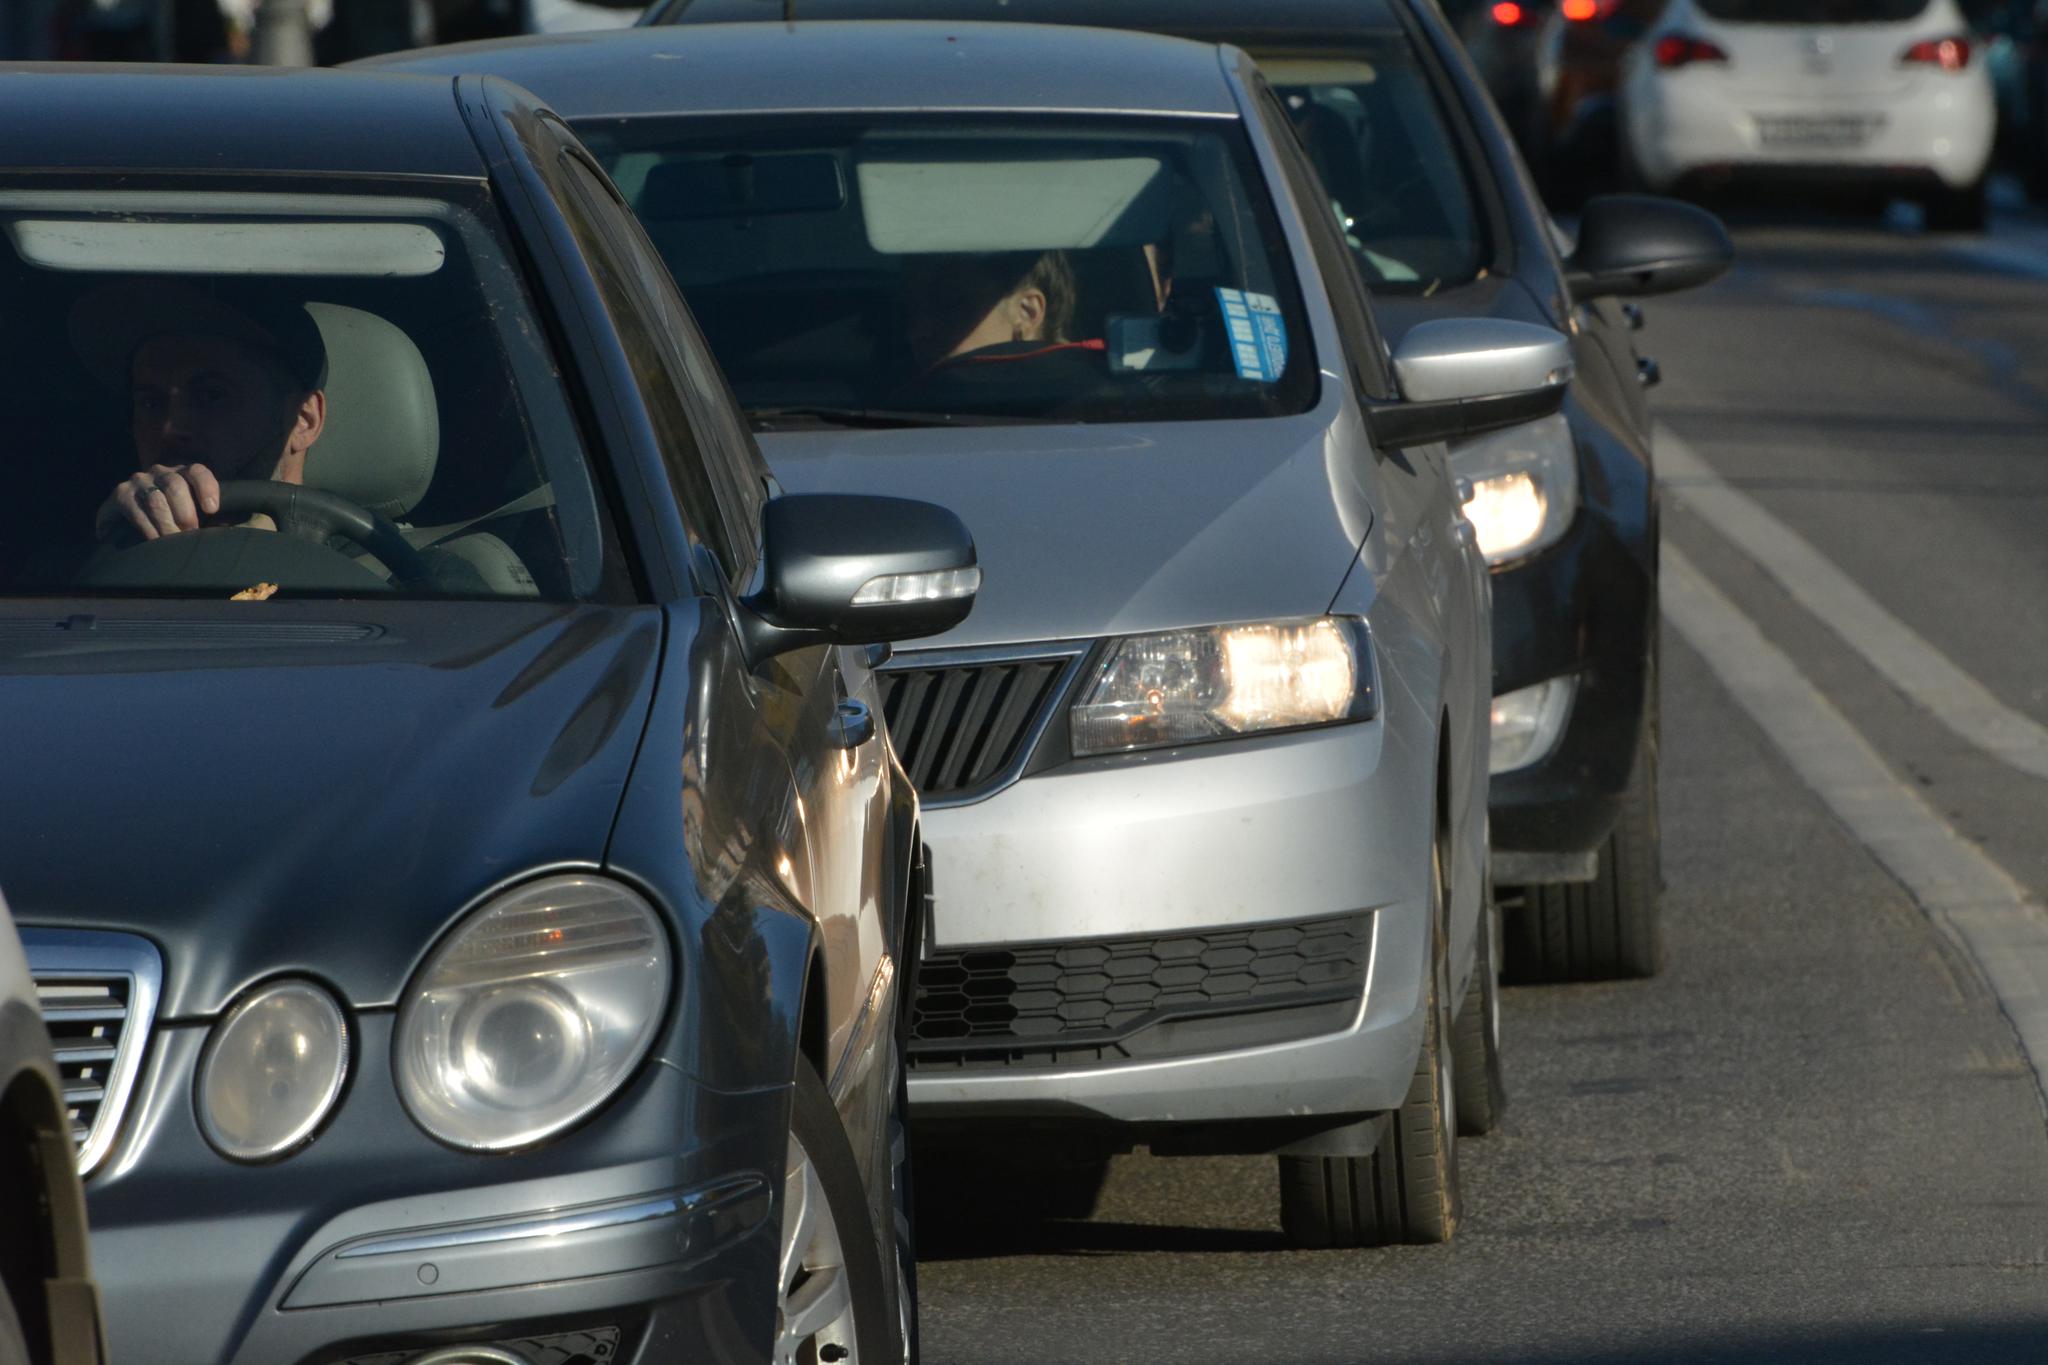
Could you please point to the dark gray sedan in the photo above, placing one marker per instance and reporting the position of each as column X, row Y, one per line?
column 443, row 792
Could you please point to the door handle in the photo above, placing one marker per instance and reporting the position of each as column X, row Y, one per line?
column 853, row 724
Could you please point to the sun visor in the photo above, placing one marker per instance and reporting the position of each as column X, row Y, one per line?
column 918, row 203
column 228, row 248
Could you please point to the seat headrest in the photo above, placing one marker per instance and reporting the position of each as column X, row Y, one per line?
column 383, row 433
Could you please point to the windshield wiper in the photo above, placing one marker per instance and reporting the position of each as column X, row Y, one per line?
column 768, row 419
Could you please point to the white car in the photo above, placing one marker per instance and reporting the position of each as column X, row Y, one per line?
column 1888, row 93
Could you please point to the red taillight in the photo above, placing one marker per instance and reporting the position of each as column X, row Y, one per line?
column 1508, row 14
column 1579, row 11
column 1950, row 54
column 1679, row 49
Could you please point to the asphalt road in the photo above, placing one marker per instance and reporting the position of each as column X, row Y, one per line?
column 1818, row 1135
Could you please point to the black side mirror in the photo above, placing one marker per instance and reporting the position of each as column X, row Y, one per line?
column 1636, row 244
column 842, row 568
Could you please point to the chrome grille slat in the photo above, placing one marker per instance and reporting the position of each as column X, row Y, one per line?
column 98, row 993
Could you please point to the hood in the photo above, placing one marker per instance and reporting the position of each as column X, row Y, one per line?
column 315, row 793
column 1118, row 529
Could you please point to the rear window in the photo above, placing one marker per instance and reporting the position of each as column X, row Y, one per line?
column 1397, row 179
column 1814, row 11
column 888, row 270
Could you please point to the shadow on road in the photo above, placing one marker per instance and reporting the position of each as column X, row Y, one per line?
column 1999, row 1344
column 957, row 1237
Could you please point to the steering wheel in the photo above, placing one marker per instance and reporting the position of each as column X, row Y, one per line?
column 292, row 505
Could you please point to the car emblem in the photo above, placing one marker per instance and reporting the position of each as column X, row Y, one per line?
column 1820, row 53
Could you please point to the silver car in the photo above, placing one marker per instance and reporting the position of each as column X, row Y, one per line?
column 1205, row 775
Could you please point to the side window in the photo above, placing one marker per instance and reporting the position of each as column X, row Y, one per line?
column 591, row 211
column 1333, row 255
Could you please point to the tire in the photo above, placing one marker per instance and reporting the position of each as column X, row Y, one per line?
column 1407, row 1190
column 1609, row 928
column 832, row 1289
column 1964, row 210
column 1475, row 1036
column 899, row 1251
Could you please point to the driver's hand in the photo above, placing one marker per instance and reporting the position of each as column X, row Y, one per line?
column 161, row 501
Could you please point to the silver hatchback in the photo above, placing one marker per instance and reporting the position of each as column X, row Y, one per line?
column 1205, row 775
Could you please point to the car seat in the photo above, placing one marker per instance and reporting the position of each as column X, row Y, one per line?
column 382, row 444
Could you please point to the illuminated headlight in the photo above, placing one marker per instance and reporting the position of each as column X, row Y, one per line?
column 1525, row 487
column 273, row 1070
column 533, row 1012
column 1184, row 686
column 1527, row 723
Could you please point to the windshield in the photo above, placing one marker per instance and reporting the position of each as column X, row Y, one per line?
column 1398, row 182
column 898, row 270
column 281, row 393
column 1814, row 11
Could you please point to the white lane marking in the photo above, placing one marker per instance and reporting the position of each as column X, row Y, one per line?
column 1893, row 648
column 1970, row 898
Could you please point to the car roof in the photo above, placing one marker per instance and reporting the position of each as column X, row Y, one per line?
column 747, row 69
column 1233, row 21
column 219, row 118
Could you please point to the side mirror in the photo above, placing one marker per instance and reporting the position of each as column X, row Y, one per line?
column 1636, row 244
column 1465, row 377
column 841, row 568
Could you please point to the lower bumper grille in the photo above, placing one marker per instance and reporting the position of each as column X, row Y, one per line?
column 1041, row 1003
column 590, row 1347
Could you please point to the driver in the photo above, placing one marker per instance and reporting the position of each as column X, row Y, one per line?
column 219, row 388
column 993, row 327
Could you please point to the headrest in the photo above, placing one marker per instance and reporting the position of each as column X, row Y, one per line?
column 383, row 433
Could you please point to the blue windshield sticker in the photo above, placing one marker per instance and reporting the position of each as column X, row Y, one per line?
column 1258, row 335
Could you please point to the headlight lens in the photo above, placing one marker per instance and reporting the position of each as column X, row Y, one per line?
column 532, row 1012
column 1525, row 487
column 1184, row 686
column 273, row 1069
column 1527, row 723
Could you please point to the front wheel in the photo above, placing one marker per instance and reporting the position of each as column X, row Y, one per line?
column 1475, row 1037
column 1609, row 928
column 1407, row 1190
column 832, row 1295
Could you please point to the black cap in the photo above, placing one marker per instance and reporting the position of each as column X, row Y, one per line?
column 109, row 323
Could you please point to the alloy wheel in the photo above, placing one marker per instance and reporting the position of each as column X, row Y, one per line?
column 814, row 1322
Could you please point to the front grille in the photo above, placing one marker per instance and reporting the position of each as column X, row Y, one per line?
column 1044, row 999
column 963, row 728
column 98, row 995
column 592, row 1346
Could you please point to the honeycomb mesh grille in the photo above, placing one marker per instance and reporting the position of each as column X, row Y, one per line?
column 1085, row 994
column 961, row 730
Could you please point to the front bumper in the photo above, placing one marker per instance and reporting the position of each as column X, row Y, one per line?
column 1246, row 834
column 375, row 1243
column 1584, row 608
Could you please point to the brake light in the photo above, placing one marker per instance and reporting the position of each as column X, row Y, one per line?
column 1682, row 49
column 1579, row 11
column 1508, row 14
column 1950, row 54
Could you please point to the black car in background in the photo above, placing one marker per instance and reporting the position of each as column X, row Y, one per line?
column 1443, row 222
column 453, row 838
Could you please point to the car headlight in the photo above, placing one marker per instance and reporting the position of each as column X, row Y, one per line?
column 1184, row 686
column 273, row 1069
column 532, row 1012
column 1528, row 722
column 1525, row 487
